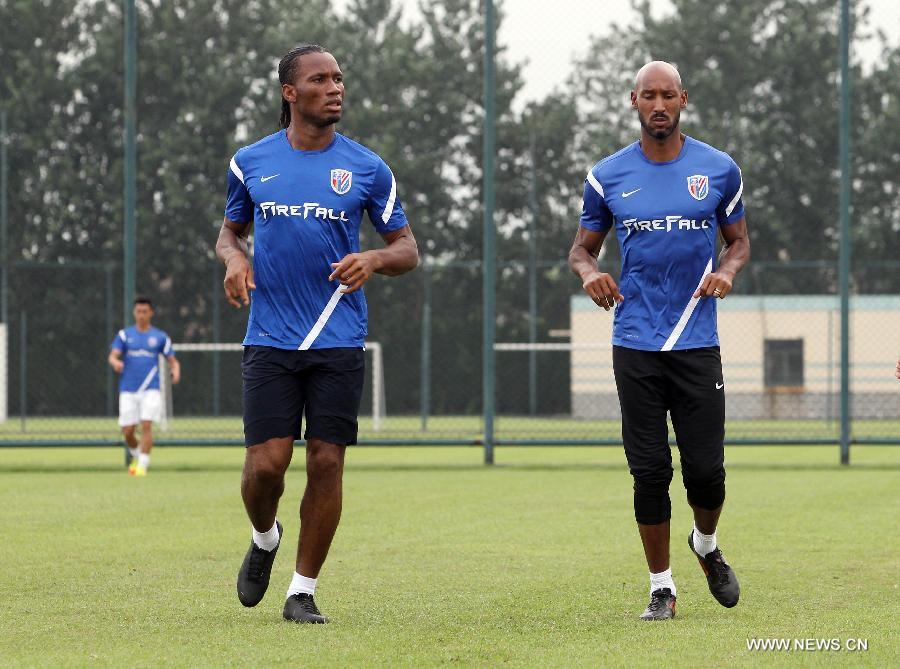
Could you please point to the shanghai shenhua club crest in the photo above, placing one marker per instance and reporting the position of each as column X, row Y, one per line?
column 698, row 186
column 341, row 181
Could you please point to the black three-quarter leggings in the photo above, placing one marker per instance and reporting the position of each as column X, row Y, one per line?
column 689, row 385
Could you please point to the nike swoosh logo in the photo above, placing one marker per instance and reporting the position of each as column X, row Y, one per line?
column 265, row 179
column 631, row 192
column 719, row 386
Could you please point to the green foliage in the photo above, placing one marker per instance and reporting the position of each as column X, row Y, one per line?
column 763, row 86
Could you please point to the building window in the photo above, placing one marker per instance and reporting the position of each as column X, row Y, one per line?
column 784, row 363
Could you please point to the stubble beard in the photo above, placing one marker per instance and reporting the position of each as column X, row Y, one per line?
column 660, row 133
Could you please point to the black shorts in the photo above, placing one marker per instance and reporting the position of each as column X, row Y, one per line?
column 280, row 386
column 687, row 384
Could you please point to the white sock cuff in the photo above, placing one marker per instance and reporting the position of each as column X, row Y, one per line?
column 704, row 544
column 302, row 584
column 267, row 540
column 661, row 580
column 703, row 537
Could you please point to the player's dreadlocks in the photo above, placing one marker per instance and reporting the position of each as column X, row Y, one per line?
column 287, row 72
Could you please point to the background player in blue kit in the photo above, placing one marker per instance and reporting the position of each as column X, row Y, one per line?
column 304, row 190
column 134, row 354
column 668, row 196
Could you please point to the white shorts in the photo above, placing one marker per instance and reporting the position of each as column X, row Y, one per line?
column 137, row 407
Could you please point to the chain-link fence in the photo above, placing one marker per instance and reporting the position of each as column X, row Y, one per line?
column 772, row 109
column 781, row 355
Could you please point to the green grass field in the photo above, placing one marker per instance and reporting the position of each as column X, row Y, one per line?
column 441, row 561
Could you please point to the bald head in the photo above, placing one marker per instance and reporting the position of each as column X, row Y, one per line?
column 658, row 99
column 658, row 70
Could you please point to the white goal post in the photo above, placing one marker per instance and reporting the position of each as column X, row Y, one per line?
column 379, row 405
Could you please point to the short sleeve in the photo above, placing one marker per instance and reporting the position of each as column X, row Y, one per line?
column 383, row 205
column 595, row 214
column 119, row 342
column 167, row 349
column 731, row 208
column 238, row 204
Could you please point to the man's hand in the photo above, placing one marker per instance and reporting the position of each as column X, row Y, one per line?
column 238, row 280
column 117, row 365
column 715, row 284
column 603, row 289
column 353, row 270
column 897, row 372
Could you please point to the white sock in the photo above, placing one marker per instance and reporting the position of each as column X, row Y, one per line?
column 267, row 540
column 662, row 580
column 143, row 460
column 135, row 452
column 704, row 544
column 302, row 584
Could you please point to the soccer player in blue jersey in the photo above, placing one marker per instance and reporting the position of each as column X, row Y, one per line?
column 304, row 191
column 668, row 196
column 134, row 353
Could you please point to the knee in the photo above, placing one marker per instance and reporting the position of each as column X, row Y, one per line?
column 652, row 504
column 324, row 462
column 266, row 464
column 706, row 489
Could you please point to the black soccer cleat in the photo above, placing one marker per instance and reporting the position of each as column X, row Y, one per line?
column 661, row 606
column 253, row 578
column 720, row 577
column 301, row 608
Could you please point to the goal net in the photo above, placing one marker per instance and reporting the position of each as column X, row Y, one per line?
column 208, row 398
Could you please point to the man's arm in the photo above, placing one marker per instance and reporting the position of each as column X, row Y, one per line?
column 732, row 259
column 231, row 249
column 583, row 255
column 400, row 255
column 175, row 368
column 115, row 360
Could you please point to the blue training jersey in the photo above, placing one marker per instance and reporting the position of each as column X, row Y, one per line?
column 140, row 353
column 306, row 207
column 666, row 216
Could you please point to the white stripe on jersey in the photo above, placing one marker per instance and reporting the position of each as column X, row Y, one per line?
column 167, row 349
column 686, row 314
column 148, row 379
column 596, row 184
column 323, row 318
column 237, row 170
column 122, row 336
column 735, row 199
column 389, row 207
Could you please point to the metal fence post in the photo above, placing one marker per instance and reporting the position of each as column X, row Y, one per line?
column 4, row 228
column 844, row 212
column 425, row 348
column 489, row 266
column 110, row 375
column 23, row 369
column 532, row 283
column 216, row 337
column 129, row 202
